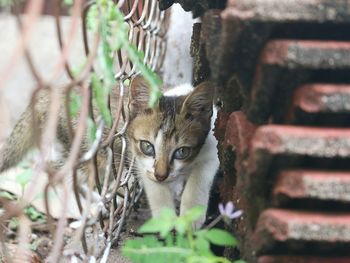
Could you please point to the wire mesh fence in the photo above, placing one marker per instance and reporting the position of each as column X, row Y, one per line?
column 108, row 190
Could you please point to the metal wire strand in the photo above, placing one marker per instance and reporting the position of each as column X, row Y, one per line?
column 104, row 159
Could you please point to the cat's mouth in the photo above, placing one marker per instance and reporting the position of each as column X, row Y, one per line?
column 160, row 179
column 154, row 178
column 171, row 177
column 166, row 179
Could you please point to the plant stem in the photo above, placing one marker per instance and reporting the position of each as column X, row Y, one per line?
column 214, row 222
column 190, row 237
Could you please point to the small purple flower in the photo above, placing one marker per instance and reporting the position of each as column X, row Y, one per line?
column 228, row 211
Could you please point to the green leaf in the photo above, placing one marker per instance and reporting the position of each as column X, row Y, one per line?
column 206, row 259
column 68, row 2
column 167, row 220
column 6, row 3
column 120, row 37
column 163, row 224
column 169, row 241
column 149, row 250
column 14, row 223
column 109, row 20
column 92, row 18
column 91, row 130
column 203, row 247
column 201, row 233
column 106, row 61
column 181, row 225
column 33, row 214
column 7, row 195
column 166, row 228
column 167, row 214
column 100, row 96
column 197, row 259
column 105, row 52
column 74, row 103
column 112, row 12
column 220, row 237
column 103, row 3
column 78, row 69
column 181, row 241
column 151, row 226
column 34, row 246
column 154, row 81
column 194, row 213
column 24, row 177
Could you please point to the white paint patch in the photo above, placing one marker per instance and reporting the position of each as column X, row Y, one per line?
column 177, row 67
column 179, row 90
column 19, row 84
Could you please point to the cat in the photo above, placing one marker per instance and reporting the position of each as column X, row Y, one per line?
column 173, row 143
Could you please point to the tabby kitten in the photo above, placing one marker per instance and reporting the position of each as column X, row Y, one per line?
column 174, row 145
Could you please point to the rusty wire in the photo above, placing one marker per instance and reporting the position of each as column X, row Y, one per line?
column 117, row 190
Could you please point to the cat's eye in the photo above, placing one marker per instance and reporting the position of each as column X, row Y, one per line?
column 182, row 153
column 147, row 148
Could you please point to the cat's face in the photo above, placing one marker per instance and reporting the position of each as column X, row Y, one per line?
column 166, row 139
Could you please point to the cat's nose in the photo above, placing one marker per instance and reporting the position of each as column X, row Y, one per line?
column 161, row 169
column 161, row 177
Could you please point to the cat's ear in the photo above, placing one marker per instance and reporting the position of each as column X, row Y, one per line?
column 199, row 103
column 138, row 95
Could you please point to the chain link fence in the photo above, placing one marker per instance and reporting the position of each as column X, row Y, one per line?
column 109, row 191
